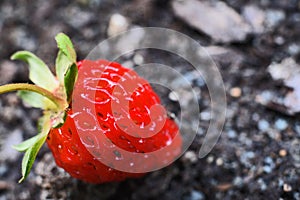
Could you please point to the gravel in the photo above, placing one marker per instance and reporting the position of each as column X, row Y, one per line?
column 256, row 50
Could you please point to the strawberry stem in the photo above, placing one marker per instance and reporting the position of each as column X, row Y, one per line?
column 60, row 103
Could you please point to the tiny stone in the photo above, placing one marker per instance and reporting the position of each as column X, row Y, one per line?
column 235, row 92
column 219, row 161
column 238, row 181
column 190, row 156
column 267, row 169
column 293, row 49
column 246, row 157
column 280, row 182
column 279, row 40
column 282, row 152
column 173, row 96
column 231, row 134
column 200, row 82
column 274, row 134
column 269, row 160
column 227, row 26
column 263, row 125
column 138, row 59
column 274, row 17
column 296, row 195
column 281, row 124
column 250, row 154
column 265, row 97
column 255, row 117
column 117, row 24
column 262, row 184
column 210, row 159
column 128, row 64
column 255, row 16
column 38, row 180
column 287, row 187
column 196, row 195
column 205, row 115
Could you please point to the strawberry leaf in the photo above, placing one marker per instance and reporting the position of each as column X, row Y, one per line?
column 32, row 147
column 69, row 80
column 39, row 73
column 36, row 100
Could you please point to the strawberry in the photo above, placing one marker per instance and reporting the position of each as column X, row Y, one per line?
column 101, row 121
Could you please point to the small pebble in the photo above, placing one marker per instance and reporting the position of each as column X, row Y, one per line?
column 262, row 184
column 296, row 195
column 263, row 125
column 231, row 134
column 190, row 156
column 200, row 82
column 210, row 159
column 238, row 181
column 117, row 24
column 280, row 182
column 196, row 195
column 287, row 187
column 235, row 92
column 281, row 124
column 173, row 96
column 282, row 152
column 255, row 16
column 274, row 17
column 205, row 115
column 267, row 169
column 219, row 161
column 293, row 49
column 279, row 40
column 138, row 59
column 128, row 64
column 269, row 160
column 265, row 97
column 246, row 157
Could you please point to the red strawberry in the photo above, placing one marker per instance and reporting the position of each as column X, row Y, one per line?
column 102, row 121
column 65, row 143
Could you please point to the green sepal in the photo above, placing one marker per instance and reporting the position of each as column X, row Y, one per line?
column 33, row 147
column 39, row 72
column 69, row 81
column 62, row 64
column 36, row 100
column 65, row 45
column 58, row 119
column 66, row 68
column 26, row 144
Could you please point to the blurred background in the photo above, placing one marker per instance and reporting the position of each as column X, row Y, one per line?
column 256, row 46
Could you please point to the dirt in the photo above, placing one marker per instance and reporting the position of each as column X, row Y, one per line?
column 258, row 153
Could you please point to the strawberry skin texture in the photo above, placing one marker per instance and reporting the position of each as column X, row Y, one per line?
column 66, row 144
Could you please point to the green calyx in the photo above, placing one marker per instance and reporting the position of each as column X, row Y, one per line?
column 51, row 93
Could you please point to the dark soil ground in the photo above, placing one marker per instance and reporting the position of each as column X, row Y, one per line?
column 258, row 153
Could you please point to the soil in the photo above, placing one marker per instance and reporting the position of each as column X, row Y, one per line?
column 257, row 155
